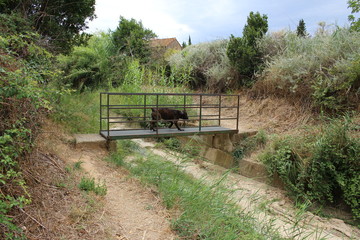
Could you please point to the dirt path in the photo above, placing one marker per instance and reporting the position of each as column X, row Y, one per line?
column 131, row 211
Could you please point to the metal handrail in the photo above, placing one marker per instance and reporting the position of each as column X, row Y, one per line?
column 107, row 107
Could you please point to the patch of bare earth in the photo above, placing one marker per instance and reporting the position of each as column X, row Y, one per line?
column 59, row 210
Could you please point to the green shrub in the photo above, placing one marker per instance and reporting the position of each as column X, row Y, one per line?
column 204, row 65
column 243, row 51
column 321, row 166
column 25, row 69
column 249, row 144
column 333, row 173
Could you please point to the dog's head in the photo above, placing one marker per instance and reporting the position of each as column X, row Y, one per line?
column 183, row 115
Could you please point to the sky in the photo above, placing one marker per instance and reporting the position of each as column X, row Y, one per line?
column 208, row 20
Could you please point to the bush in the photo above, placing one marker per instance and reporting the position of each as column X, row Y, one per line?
column 88, row 66
column 204, row 65
column 243, row 52
column 24, row 70
column 322, row 70
column 321, row 166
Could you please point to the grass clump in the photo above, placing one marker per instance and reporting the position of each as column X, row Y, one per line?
column 249, row 144
column 89, row 185
column 322, row 166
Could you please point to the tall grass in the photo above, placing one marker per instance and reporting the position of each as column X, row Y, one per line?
column 204, row 212
column 204, row 65
column 322, row 69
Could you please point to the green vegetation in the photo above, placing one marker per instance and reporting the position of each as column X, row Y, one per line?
column 24, row 69
column 301, row 29
column 322, row 71
column 320, row 166
column 132, row 39
column 207, row 212
column 204, row 65
column 59, row 21
column 355, row 8
column 243, row 51
column 249, row 144
column 89, row 185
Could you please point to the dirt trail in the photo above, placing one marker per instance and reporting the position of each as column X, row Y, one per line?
column 131, row 211
column 263, row 202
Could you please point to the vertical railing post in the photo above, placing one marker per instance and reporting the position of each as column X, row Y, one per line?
column 219, row 110
column 157, row 113
column 108, row 116
column 200, row 113
column 144, row 110
column 100, row 113
column 184, row 108
column 237, row 118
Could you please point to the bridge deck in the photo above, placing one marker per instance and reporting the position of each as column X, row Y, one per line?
column 163, row 132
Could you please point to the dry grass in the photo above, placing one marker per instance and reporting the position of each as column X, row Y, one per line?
column 59, row 210
column 273, row 114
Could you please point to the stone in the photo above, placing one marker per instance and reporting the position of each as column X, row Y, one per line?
column 223, row 142
column 93, row 141
column 219, row 157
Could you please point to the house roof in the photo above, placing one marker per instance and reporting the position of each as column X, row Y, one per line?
column 162, row 42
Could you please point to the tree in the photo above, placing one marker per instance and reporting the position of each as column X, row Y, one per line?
column 355, row 8
column 132, row 39
column 243, row 52
column 301, row 29
column 60, row 22
column 189, row 42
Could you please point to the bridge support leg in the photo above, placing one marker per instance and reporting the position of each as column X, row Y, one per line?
column 111, row 145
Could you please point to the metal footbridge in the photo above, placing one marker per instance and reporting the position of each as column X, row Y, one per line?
column 128, row 115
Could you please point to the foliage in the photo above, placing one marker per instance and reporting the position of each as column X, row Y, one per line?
column 131, row 38
column 204, row 65
column 301, row 29
column 321, row 166
column 24, row 70
column 60, row 22
column 243, row 52
column 322, row 70
column 88, row 66
column 355, row 8
column 249, row 144
column 89, row 185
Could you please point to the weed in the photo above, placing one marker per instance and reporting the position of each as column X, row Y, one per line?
column 77, row 165
column 88, row 184
column 249, row 145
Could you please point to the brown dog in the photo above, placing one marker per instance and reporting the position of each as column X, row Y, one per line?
column 167, row 114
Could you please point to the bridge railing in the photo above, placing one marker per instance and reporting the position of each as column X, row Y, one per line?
column 132, row 111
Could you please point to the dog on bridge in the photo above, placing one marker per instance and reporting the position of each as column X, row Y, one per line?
column 168, row 114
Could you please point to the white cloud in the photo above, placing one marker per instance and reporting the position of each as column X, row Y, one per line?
column 206, row 20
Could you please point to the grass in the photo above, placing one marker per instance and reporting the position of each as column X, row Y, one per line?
column 89, row 185
column 204, row 211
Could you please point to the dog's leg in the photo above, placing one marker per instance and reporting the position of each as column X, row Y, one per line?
column 178, row 126
column 153, row 123
column 171, row 123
